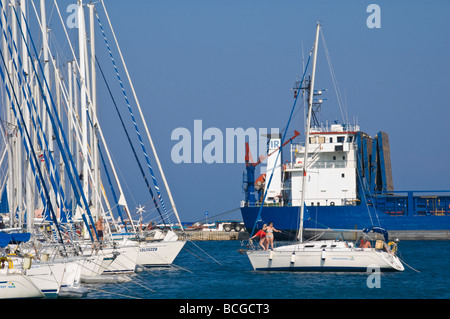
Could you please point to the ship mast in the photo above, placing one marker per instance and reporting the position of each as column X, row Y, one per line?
column 305, row 160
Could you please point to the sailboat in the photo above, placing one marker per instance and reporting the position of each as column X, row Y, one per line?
column 54, row 144
column 14, row 282
column 325, row 255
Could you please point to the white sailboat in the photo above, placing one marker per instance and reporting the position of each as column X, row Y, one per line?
column 14, row 285
column 65, row 177
column 14, row 282
column 329, row 255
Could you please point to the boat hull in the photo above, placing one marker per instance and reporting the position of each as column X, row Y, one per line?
column 17, row 286
column 158, row 254
column 291, row 258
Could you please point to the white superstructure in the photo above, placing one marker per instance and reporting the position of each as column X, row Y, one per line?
column 331, row 161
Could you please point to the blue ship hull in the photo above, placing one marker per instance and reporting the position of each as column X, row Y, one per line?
column 346, row 217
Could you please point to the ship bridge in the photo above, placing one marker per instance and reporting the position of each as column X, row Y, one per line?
column 332, row 164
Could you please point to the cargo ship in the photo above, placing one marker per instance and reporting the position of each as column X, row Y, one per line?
column 349, row 185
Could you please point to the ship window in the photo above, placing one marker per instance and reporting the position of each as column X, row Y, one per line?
column 318, row 203
column 341, row 139
column 312, row 203
column 334, row 158
column 321, row 139
column 312, row 140
column 343, row 175
column 331, row 140
column 343, row 157
column 350, row 139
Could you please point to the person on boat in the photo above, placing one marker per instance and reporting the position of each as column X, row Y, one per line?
column 99, row 227
column 262, row 237
column 365, row 243
column 269, row 235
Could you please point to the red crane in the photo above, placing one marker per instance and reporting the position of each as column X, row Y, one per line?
column 262, row 158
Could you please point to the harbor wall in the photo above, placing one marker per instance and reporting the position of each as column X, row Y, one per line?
column 393, row 235
column 198, row 235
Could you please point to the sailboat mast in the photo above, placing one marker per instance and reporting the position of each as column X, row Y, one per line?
column 28, row 180
column 305, row 160
column 172, row 202
column 94, row 139
column 83, row 105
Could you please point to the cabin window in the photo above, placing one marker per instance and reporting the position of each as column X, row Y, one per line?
column 331, row 140
column 334, row 158
column 321, row 139
column 343, row 175
column 343, row 158
column 341, row 139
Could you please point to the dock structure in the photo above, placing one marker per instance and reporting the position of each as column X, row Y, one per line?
column 200, row 235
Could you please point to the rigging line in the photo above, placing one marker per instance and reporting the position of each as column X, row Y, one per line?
column 74, row 182
column 158, row 162
column 205, row 253
column 189, row 251
column 133, row 119
column 364, row 193
column 143, row 286
column 221, row 214
column 131, row 144
column 51, row 167
column 333, row 77
column 113, row 293
column 110, row 184
column 282, row 141
column 408, row 265
column 75, row 119
column 26, row 137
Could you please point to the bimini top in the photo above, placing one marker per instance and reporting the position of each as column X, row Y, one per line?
column 13, row 238
column 379, row 230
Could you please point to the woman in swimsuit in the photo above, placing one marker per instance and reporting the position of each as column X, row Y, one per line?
column 269, row 234
column 262, row 237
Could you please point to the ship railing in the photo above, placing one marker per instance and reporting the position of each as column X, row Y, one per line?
column 316, row 202
column 318, row 165
column 327, row 127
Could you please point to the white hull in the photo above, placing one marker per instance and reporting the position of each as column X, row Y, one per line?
column 124, row 263
column 314, row 257
column 95, row 265
column 14, row 286
column 161, row 253
column 47, row 276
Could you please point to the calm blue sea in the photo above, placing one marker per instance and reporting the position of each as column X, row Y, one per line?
column 216, row 270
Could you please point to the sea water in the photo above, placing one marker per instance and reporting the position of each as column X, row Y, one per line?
column 219, row 270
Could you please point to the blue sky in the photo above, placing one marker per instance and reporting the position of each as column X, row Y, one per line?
column 233, row 63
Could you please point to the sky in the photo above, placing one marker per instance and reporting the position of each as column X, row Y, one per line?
column 232, row 64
